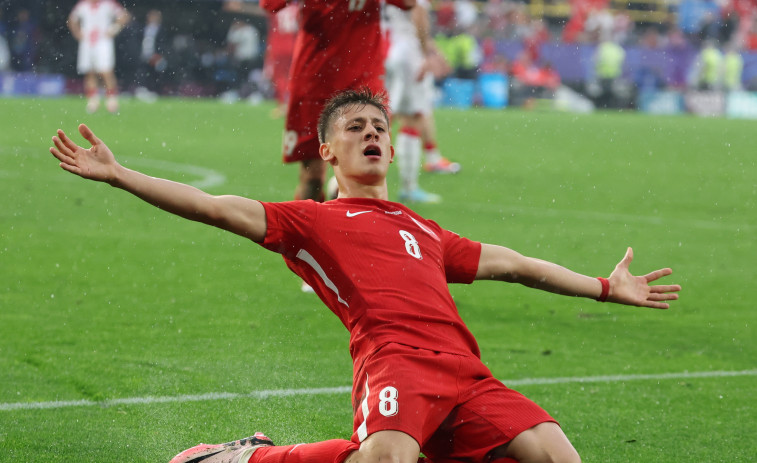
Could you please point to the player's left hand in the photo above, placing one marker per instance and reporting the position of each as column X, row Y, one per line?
column 628, row 289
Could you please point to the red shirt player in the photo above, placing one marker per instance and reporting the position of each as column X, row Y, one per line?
column 419, row 384
column 339, row 46
column 282, row 33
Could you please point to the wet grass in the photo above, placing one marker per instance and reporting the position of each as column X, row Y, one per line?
column 103, row 297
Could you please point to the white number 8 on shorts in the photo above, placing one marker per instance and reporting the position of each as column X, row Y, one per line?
column 388, row 405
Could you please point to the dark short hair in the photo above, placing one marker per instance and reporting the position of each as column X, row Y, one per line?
column 335, row 106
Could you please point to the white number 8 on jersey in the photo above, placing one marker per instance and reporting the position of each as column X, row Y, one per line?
column 411, row 244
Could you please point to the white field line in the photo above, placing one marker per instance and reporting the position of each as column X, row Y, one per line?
column 208, row 177
column 346, row 389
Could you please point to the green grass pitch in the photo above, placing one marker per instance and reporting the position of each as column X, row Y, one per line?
column 104, row 298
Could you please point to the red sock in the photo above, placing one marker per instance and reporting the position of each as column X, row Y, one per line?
column 330, row 451
column 429, row 146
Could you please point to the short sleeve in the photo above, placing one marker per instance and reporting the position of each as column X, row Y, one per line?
column 288, row 224
column 461, row 257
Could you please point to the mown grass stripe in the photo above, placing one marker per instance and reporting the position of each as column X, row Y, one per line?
column 264, row 394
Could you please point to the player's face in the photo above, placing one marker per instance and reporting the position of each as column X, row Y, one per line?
column 359, row 144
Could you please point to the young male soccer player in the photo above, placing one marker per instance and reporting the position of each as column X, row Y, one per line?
column 419, row 384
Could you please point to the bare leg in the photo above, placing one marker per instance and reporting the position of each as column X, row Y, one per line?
column 111, row 90
column 312, row 179
column 544, row 442
column 386, row 446
column 435, row 162
column 111, row 85
column 91, row 91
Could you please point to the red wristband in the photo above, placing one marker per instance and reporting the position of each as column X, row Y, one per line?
column 605, row 289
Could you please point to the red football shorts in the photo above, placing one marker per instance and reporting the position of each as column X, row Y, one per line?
column 277, row 67
column 449, row 403
column 301, row 132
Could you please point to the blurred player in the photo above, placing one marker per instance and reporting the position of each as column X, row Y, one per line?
column 282, row 33
column 280, row 39
column 339, row 46
column 410, row 82
column 151, row 74
column 94, row 24
column 419, row 384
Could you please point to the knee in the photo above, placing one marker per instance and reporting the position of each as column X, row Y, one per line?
column 568, row 455
column 558, row 455
column 555, row 455
column 382, row 455
column 386, row 447
column 387, row 457
column 544, row 443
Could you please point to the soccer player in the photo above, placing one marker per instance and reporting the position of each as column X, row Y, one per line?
column 282, row 32
column 279, row 45
column 419, row 384
column 94, row 24
column 339, row 45
column 151, row 73
column 409, row 81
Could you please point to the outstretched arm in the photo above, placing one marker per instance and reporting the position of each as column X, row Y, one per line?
column 500, row 263
column 238, row 215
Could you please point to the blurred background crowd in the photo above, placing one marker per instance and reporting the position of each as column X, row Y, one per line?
column 605, row 50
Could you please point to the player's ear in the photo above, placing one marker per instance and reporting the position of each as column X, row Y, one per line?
column 326, row 154
column 391, row 154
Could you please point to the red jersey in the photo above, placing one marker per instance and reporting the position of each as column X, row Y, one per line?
column 282, row 31
column 381, row 268
column 339, row 46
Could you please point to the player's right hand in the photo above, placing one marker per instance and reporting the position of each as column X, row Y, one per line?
column 95, row 163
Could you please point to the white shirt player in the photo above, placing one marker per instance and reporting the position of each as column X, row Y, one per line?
column 98, row 24
column 408, row 94
column 400, row 26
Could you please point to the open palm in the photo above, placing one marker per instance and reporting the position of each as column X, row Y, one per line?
column 626, row 288
column 95, row 163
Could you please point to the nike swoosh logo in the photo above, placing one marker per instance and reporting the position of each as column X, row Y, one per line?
column 204, row 457
column 353, row 214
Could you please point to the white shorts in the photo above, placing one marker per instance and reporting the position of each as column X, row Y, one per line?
column 407, row 94
column 97, row 57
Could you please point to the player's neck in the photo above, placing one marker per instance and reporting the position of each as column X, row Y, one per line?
column 356, row 190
